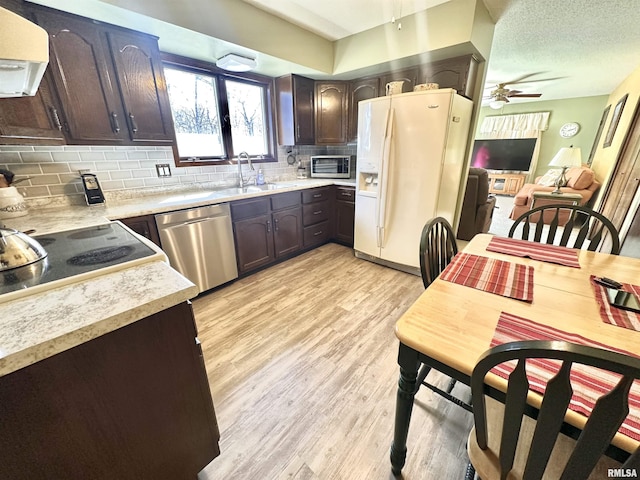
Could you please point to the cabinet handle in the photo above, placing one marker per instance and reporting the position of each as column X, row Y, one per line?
column 317, row 212
column 317, row 195
column 56, row 118
column 275, row 224
column 116, row 124
column 134, row 127
column 318, row 233
column 268, row 226
column 346, row 194
column 298, row 131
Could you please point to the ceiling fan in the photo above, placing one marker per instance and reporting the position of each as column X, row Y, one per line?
column 500, row 95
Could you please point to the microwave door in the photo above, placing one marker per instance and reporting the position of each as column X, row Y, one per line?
column 326, row 166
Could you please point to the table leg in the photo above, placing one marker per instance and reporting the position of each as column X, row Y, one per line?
column 409, row 363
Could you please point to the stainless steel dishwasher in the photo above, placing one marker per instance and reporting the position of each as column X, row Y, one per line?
column 199, row 244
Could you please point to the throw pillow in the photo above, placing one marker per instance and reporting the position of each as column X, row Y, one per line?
column 549, row 178
column 580, row 178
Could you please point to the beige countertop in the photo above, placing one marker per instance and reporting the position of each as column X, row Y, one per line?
column 56, row 218
column 39, row 325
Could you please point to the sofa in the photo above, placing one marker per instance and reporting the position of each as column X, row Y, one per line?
column 477, row 206
column 580, row 180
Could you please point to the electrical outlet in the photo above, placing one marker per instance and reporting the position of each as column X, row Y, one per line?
column 163, row 169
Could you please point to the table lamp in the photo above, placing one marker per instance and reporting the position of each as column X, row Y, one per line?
column 565, row 158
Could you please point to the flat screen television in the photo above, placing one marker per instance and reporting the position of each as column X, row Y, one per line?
column 503, row 154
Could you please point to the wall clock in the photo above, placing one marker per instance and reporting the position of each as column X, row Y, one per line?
column 570, row 129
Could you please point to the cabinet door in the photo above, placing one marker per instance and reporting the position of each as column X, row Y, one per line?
column 287, row 226
column 142, row 86
column 331, row 113
column 92, row 107
column 144, row 225
column 458, row 73
column 31, row 120
column 303, row 102
column 254, row 242
column 363, row 89
column 345, row 215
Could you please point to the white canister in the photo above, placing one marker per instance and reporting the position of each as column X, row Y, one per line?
column 394, row 87
column 12, row 203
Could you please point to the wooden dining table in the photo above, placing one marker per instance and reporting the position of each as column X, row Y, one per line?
column 451, row 325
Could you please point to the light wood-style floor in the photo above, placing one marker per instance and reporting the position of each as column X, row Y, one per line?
column 301, row 360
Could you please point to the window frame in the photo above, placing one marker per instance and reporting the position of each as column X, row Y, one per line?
column 206, row 68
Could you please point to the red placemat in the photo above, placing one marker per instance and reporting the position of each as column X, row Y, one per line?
column 491, row 275
column 535, row 251
column 614, row 315
column 588, row 382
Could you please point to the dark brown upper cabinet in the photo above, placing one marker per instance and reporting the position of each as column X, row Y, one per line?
column 458, row 73
column 31, row 120
column 295, row 97
column 142, row 86
column 362, row 89
column 409, row 77
column 331, row 112
column 109, row 82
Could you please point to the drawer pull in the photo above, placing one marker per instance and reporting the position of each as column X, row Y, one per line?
column 346, row 194
column 317, row 212
column 317, row 195
column 318, row 233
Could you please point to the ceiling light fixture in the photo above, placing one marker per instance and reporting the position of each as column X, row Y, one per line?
column 236, row 63
column 497, row 104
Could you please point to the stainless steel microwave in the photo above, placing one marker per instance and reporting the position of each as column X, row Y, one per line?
column 331, row 166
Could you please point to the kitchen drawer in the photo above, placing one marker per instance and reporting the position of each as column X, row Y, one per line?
column 316, row 194
column 346, row 194
column 315, row 213
column 316, row 234
column 285, row 200
column 249, row 208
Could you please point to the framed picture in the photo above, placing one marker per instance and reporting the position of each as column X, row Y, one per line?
column 615, row 119
column 605, row 114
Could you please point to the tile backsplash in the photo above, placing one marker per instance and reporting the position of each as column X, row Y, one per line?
column 48, row 172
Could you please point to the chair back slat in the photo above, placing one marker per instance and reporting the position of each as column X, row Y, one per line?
column 608, row 414
column 602, row 424
column 554, row 407
column 437, row 247
column 553, row 227
column 589, row 233
column 514, row 406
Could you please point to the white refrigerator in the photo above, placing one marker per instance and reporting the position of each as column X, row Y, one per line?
column 411, row 156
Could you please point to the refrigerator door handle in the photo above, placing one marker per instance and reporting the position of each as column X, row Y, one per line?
column 385, row 153
column 383, row 195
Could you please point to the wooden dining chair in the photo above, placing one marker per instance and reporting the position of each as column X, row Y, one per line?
column 583, row 227
column 437, row 247
column 507, row 443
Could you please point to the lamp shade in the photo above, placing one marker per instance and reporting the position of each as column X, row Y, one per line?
column 497, row 104
column 567, row 157
column 236, row 63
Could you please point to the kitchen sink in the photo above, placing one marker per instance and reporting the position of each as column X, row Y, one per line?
column 266, row 187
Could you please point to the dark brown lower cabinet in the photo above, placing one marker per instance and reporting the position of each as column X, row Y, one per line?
column 266, row 229
column 145, row 225
column 132, row 404
column 345, row 215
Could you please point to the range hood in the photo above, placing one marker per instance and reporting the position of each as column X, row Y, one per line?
column 24, row 54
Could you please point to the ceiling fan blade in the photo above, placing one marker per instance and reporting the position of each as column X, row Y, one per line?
column 539, row 80
column 527, row 95
column 516, row 80
column 511, row 93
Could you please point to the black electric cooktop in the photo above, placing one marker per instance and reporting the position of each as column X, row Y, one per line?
column 76, row 252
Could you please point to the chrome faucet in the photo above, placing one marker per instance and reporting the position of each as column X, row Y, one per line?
column 243, row 156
